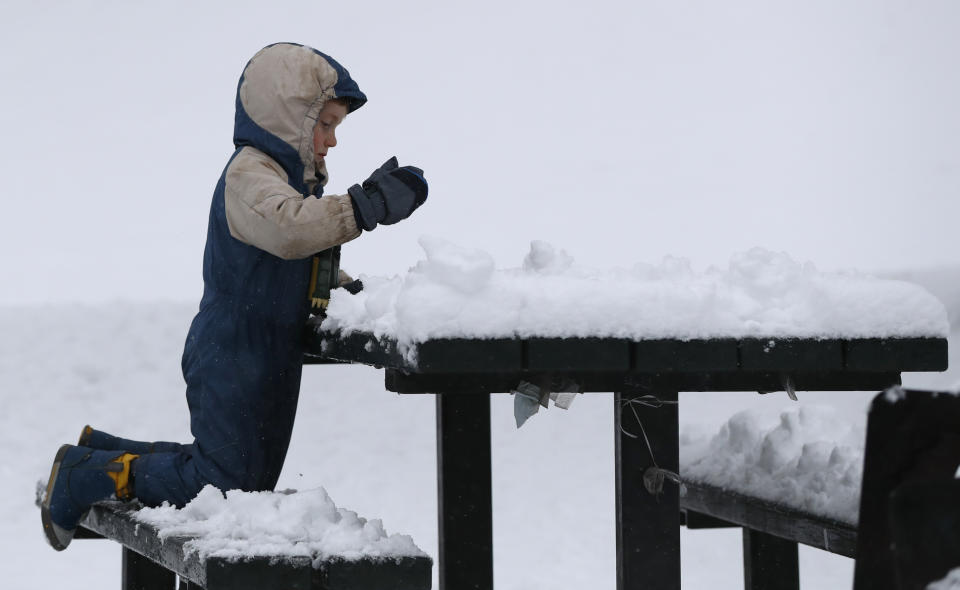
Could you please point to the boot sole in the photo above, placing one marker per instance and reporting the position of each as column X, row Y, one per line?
column 58, row 537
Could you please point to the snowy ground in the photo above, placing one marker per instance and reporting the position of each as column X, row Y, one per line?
column 116, row 366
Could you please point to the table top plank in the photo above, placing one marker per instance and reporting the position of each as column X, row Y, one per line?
column 353, row 348
column 588, row 354
column 613, row 355
column 909, row 354
column 772, row 354
column 455, row 355
column 687, row 356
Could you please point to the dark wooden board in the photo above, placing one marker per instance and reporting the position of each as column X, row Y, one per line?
column 907, row 354
column 780, row 521
column 925, row 530
column 652, row 357
column 455, row 355
column 685, row 355
column 769, row 354
column 354, row 348
column 400, row 381
column 913, row 438
column 113, row 521
column 587, row 354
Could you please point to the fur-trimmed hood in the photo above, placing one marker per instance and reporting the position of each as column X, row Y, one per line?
column 281, row 92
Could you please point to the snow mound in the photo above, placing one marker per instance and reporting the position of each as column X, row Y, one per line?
column 299, row 524
column 944, row 283
column 457, row 292
column 951, row 582
column 811, row 460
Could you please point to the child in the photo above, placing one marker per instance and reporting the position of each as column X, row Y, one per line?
column 243, row 355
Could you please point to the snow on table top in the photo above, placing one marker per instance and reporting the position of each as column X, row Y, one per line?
column 299, row 524
column 457, row 292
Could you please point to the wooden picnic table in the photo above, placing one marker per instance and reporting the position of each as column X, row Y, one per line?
column 645, row 377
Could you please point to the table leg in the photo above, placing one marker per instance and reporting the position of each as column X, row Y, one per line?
column 464, row 498
column 769, row 562
column 648, row 525
column 142, row 573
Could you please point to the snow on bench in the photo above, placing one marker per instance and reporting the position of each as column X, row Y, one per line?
column 811, row 459
column 884, row 495
column 276, row 524
column 265, row 539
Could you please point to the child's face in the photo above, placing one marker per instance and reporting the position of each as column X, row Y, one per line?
column 324, row 133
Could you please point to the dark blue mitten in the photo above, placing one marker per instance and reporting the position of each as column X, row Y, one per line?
column 391, row 194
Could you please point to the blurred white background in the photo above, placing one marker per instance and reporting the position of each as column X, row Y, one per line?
column 620, row 131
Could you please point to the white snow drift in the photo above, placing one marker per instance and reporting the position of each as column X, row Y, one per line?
column 457, row 292
column 292, row 524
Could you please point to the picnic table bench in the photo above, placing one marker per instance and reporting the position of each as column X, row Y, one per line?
column 645, row 377
column 909, row 519
column 153, row 562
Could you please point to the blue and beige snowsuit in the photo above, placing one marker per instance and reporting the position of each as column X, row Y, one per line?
column 243, row 354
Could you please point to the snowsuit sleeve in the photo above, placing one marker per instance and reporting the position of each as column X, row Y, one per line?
column 264, row 211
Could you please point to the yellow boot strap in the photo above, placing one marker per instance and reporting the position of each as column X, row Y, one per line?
column 121, row 476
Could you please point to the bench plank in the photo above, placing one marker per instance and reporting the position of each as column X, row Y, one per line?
column 784, row 522
column 113, row 521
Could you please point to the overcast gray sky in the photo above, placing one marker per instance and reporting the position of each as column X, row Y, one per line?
column 620, row 131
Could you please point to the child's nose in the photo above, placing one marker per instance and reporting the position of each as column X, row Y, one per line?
column 332, row 139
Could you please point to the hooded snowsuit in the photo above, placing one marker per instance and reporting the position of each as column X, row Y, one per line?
column 243, row 354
